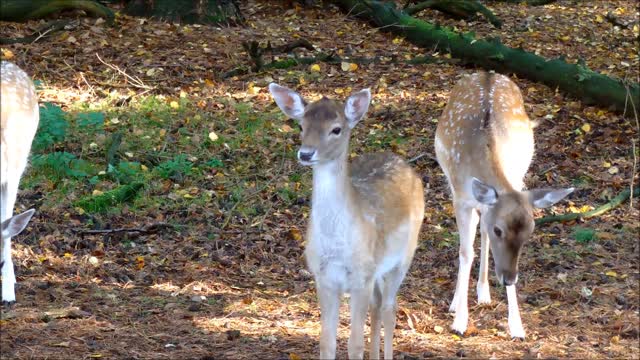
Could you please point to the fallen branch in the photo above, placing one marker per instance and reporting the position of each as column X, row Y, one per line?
column 40, row 33
column 20, row 10
column 576, row 80
column 331, row 58
column 148, row 229
column 457, row 9
column 615, row 202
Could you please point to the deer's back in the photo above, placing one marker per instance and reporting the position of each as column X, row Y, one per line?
column 387, row 189
column 484, row 132
column 19, row 118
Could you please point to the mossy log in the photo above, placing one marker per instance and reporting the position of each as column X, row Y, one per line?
column 23, row 10
column 576, row 80
column 461, row 9
column 101, row 203
column 622, row 197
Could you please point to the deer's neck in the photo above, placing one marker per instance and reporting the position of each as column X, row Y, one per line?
column 332, row 189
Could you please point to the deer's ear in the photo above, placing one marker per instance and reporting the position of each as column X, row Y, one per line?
column 356, row 106
column 289, row 101
column 543, row 198
column 483, row 193
column 14, row 225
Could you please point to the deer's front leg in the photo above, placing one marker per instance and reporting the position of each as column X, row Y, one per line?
column 329, row 299
column 515, row 322
column 467, row 220
column 484, row 295
column 359, row 305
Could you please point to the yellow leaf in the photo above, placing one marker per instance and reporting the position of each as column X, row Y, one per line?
column 286, row 128
column 615, row 339
column 213, row 136
column 611, row 273
column 67, row 255
column 302, row 80
column 599, row 19
column 294, row 356
column 338, row 91
column 187, row 196
column 455, row 337
column 353, row 67
column 315, row 67
column 144, row 168
column 97, row 192
column 80, row 210
column 606, row 164
column 7, row 54
column 565, row 38
column 174, row 104
column 139, row 262
column 397, row 41
column 586, row 127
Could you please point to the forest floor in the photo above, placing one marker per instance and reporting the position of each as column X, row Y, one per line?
column 145, row 101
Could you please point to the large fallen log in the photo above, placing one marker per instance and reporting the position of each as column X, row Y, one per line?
column 576, row 80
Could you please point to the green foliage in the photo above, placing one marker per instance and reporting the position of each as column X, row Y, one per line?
column 125, row 172
column 584, row 235
column 90, row 122
column 52, row 128
column 175, row 169
column 101, row 203
column 61, row 165
column 215, row 163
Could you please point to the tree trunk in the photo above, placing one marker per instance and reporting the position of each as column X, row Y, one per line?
column 574, row 79
column 225, row 12
column 21, row 10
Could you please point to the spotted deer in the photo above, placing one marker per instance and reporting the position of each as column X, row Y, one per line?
column 484, row 144
column 364, row 223
column 19, row 122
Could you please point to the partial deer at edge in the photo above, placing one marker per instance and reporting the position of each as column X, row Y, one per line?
column 364, row 223
column 19, row 122
column 484, row 144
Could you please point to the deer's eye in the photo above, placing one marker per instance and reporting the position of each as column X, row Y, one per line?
column 336, row 131
column 497, row 231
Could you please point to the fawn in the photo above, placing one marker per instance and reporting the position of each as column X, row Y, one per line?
column 19, row 122
column 484, row 144
column 364, row 223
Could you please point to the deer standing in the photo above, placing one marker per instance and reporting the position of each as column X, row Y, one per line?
column 484, row 144
column 364, row 223
column 19, row 122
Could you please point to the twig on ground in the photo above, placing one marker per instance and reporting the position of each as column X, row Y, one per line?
column 135, row 81
column 148, row 229
column 595, row 212
column 418, row 157
column 40, row 33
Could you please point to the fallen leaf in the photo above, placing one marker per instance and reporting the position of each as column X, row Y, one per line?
column 438, row 329
column 213, row 136
column 586, row 127
column 315, row 67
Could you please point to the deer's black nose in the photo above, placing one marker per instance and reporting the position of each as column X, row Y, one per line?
column 306, row 156
column 509, row 278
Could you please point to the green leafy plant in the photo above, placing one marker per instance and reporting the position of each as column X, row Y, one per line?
column 90, row 122
column 584, row 235
column 176, row 169
column 52, row 127
column 61, row 165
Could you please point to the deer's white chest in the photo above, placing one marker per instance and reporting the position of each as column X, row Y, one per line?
column 332, row 232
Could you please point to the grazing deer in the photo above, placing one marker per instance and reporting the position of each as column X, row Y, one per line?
column 364, row 223
column 19, row 122
column 484, row 144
